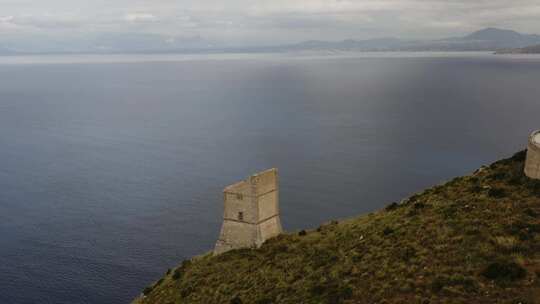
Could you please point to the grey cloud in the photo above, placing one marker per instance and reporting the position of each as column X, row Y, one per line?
column 258, row 21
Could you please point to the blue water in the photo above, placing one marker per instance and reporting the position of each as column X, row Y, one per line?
column 111, row 172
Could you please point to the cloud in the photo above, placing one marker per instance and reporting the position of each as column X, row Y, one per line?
column 41, row 23
column 140, row 17
column 7, row 23
column 277, row 21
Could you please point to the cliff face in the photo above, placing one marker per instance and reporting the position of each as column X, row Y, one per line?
column 475, row 239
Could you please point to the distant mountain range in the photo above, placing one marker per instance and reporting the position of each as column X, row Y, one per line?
column 4, row 50
column 103, row 43
column 490, row 39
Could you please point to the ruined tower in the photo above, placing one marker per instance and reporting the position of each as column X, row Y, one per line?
column 251, row 214
column 532, row 164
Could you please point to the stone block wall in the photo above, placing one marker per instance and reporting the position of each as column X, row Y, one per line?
column 251, row 212
column 532, row 164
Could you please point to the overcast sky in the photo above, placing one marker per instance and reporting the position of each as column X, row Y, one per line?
column 245, row 22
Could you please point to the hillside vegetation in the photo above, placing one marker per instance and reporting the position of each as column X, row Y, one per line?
column 475, row 239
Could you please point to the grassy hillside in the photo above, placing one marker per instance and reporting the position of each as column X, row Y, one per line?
column 475, row 239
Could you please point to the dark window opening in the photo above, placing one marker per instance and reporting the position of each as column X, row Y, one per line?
column 240, row 216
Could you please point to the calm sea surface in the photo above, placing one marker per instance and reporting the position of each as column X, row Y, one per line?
column 111, row 168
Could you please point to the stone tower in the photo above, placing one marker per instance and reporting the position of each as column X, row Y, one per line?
column 251, row 213
column 532, row 164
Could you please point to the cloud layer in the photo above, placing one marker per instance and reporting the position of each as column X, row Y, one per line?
column 254, row 22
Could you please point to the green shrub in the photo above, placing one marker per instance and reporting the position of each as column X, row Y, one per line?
column 185, row 291
column 337, row 294
column 332, row 292
column 406, row 253
column 179, row 272
column 413, row 198
column 533, row 185
column 442, row 281
column 515, row 180
column 388, row 231
column 497, row 193
column 438, row 283
column 524, row 230
column 449, row 211
column 317, row 290
column 392, row 206
column 498, row 176
column 419, row 205
column 264, row 301
column 322, row 257
column 476, row 188
column 504, row 271
column 474, row 180
column 531, row 213
column 147, row 290
column 520, row 156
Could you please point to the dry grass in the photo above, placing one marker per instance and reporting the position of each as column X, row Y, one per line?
column 475, row 239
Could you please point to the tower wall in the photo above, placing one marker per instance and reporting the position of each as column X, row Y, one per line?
column 251, row 212
column 532, row 163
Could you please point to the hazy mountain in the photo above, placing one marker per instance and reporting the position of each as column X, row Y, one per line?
column 102, row 43
column 134, row 42
column 489, row 39
column 371, row 44
column 484, row 40
column 502, row 38
column 4, row 50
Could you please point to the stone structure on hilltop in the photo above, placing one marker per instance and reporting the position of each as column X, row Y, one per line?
column 532, row 164
column 251, row 214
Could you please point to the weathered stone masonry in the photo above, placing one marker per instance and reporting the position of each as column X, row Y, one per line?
column 251, row 213
column 532, row 164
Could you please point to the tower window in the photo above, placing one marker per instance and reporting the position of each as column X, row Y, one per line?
column 240, row 216
column 239, row 196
